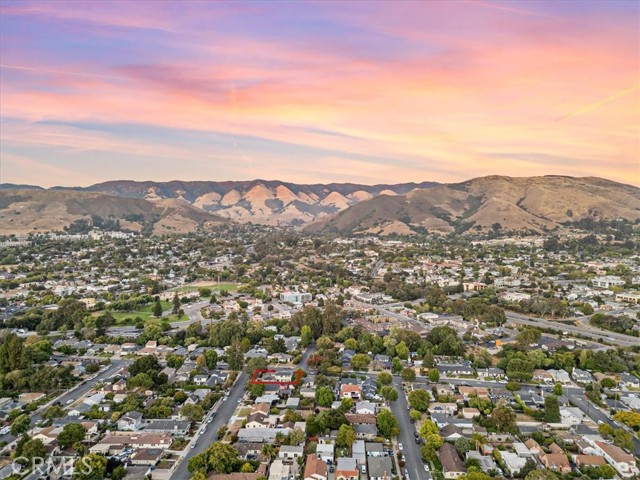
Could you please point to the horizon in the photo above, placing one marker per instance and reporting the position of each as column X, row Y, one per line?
column 360, row 92
column 285, row 182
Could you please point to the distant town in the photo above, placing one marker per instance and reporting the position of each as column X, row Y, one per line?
column 262, row 353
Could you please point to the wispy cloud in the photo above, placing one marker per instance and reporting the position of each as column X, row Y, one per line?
column 415, row 90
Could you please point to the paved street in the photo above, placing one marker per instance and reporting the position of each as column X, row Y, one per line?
column 584, row 330
column 598, row 416
column 76, row 393
column 223, row 414
column 411, row 450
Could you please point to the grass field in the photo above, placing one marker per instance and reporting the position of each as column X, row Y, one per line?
column 145, row 313
column 213, row 286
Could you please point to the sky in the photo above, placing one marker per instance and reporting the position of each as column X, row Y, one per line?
column 315, row 92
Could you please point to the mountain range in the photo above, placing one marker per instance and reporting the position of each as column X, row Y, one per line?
column 534, row 204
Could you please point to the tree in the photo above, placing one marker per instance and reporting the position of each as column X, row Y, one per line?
column 221, row 457
column 269, row 450
column 70, row 434
column 192, row 412
column 557, row 389
column 118, row 473
column 90, row 467
column 504, row 418
column 306, row 336
column 541, row 474
column 157, row 309
column 551, row 409
column 324, row 396
column 527, row 337
column 384, row 378
column 346, row 404
column 434, row 441
column 428, row 428
column 631, row 419
column 247, row 468
column 415, row 415
column 141, row 380
column 605, row 430
column 623, row 439
column 20, row 425
column 396, row 365
column 54, row 411
column 408, row 374
column 360, row 361
column 211, row 359
column 235, row 356
column 434, row 375
column 346, row 436
column 462, row 446
column 33, row 449
column 419, row 400
column 402, row 351
column 176, row 304
column 389, row 393
column 388, row 425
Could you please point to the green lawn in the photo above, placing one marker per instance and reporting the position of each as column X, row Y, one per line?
column 213, row 286
column 145, row 313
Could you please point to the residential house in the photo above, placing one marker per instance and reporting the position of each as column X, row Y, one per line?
column 261, row 435
column 148, row 457
column 491, row 373
column 117, row 441
column 571, row 416
column 581, row 376
column 487, row 464
column 283, row 469
column 452, row 466
column 325, row 452
column 351, row 391
column 365, row 408
column 315, row 469
column 557, row 462
column 131, row 421
column 623, row 462
column 379, row 468
column 347, row 469
column 629, row 381
column 446, row 408
column 175, row 428
column 589, row 460
column 291, row 451
column 512, row 462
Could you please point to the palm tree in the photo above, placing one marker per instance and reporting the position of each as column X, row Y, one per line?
column 269, row 450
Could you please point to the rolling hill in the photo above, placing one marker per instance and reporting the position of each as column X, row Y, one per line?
column 34, row 211
column 534, row 204
column 270, row 202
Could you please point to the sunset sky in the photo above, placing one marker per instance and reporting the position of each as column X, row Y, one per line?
column 311, row 92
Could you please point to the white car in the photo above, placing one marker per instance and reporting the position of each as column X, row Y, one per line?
column 202, row 431
column 426, row 467
column 193, row 445
column 69, row 402
column 400, row 446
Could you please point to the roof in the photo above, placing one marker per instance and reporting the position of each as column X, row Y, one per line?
column 315, row 466
column 450, row 460
column 379, row 467
column 346, row 464
column 557, row 460
column 596, row 460
column 615, row 452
